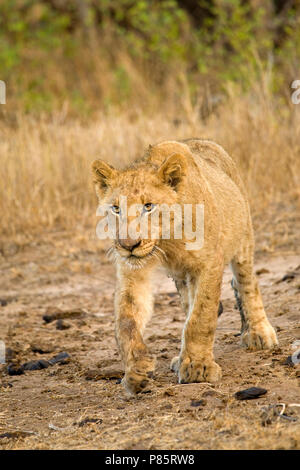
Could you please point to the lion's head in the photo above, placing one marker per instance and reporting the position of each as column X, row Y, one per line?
column 131, row 196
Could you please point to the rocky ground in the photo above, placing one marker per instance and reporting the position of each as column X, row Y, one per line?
column 80, row 403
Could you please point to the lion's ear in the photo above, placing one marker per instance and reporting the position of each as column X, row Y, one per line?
column 103, row 175
column 173, row 170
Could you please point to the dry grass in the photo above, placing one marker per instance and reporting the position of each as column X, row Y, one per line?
column 45, row 175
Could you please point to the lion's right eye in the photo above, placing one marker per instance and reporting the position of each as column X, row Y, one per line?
column 115, row 209
column 149, row 207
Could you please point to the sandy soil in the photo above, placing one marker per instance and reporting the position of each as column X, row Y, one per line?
column 81, row 404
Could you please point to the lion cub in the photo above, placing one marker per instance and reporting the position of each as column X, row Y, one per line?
column 191, row 173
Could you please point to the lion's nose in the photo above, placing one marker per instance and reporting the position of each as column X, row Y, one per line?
column 129, row 244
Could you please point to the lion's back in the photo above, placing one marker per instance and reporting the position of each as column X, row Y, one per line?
column 215, row 156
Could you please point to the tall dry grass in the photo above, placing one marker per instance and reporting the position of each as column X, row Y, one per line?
column 45, row 163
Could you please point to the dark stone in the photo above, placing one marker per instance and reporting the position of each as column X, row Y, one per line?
column 14, row 369
column 197, row 403
column 250, row 393
column 88, row 421
column 61, row 325
column 36, row 365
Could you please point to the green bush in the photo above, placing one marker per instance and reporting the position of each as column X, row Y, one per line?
column 54, row 50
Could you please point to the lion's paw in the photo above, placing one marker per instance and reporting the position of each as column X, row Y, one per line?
column 261, row 336
column 193, row 370
column 138, row 376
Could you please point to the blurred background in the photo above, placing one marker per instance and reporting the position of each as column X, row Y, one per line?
column 105, row 78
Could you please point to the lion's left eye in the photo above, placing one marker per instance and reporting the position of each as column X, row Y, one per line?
column 115, row 209
column 149, row 207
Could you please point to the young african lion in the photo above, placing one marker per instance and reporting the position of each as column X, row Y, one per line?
column 193, row 172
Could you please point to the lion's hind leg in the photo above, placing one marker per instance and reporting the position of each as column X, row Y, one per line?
column 257, row 332
column 183, row 290
column 239, row 305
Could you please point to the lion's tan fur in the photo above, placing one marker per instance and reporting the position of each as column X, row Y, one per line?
column 204, row 173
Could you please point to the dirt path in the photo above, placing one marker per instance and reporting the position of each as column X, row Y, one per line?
column 54, row 408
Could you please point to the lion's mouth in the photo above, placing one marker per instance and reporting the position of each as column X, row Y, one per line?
column 136, row 257
column 136, row 260
column 137, row 253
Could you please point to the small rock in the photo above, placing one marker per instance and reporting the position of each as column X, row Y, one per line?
column 250, row 393
column 262, row 271
column 88, row 421
column 61, row 325
column 57, row 314
column 14, row 369
column 61, row 358
column 36, row 365
column 288, row 277
column 197, row 403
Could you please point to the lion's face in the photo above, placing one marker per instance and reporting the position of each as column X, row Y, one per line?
column 132, row 198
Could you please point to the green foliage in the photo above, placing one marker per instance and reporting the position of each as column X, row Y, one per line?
column 157, row 29
column 230, row 38
column 219, row 41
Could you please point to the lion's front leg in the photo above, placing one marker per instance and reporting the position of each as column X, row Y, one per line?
column 196, row 361
column 133, row 307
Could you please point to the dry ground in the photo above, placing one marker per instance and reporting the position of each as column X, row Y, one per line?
column 46, row 408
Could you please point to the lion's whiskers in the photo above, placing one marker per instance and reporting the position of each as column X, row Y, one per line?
column 162, row 252
column 137, row 263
